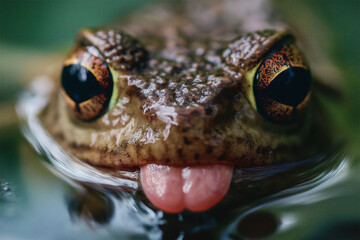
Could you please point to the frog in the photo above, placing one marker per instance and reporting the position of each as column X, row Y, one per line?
column 186, row 94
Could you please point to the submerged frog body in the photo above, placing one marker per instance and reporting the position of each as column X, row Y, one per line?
column 186, row 97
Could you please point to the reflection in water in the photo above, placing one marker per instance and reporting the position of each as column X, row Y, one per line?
column 306, row 184
column 92, row 207
column 127, row 211
column 116, row 211
column 112, row 200
column 258, row 225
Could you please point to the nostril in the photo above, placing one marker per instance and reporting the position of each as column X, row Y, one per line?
column 210, row 110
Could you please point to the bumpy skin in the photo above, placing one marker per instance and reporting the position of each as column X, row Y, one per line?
column 181, row 93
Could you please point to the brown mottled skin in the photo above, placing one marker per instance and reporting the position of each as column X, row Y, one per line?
column 181, row 93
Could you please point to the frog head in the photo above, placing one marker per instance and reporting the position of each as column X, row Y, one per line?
column 185, row 110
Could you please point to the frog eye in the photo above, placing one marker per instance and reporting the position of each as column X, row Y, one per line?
column 281, row 85
column 86, row 83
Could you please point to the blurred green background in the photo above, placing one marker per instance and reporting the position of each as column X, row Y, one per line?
column 49, row 24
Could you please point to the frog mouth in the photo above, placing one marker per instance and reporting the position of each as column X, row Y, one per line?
column 195, row 188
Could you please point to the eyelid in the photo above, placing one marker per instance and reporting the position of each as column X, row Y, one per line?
column 250, row 76
column 115, row 92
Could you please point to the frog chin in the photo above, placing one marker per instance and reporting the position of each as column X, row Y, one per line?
column 196, row 188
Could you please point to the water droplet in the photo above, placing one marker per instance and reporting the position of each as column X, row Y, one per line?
column 5, row 191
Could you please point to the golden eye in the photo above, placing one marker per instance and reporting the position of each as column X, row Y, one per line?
column 86, row 83
column 282, row 83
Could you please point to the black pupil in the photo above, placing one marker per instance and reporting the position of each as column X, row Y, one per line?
column 79, row 83
column 290, row 87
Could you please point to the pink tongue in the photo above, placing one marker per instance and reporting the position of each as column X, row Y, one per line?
column 173, row 189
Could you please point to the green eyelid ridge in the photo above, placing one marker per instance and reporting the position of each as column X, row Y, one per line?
column 115, row 92
column 250, row 76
